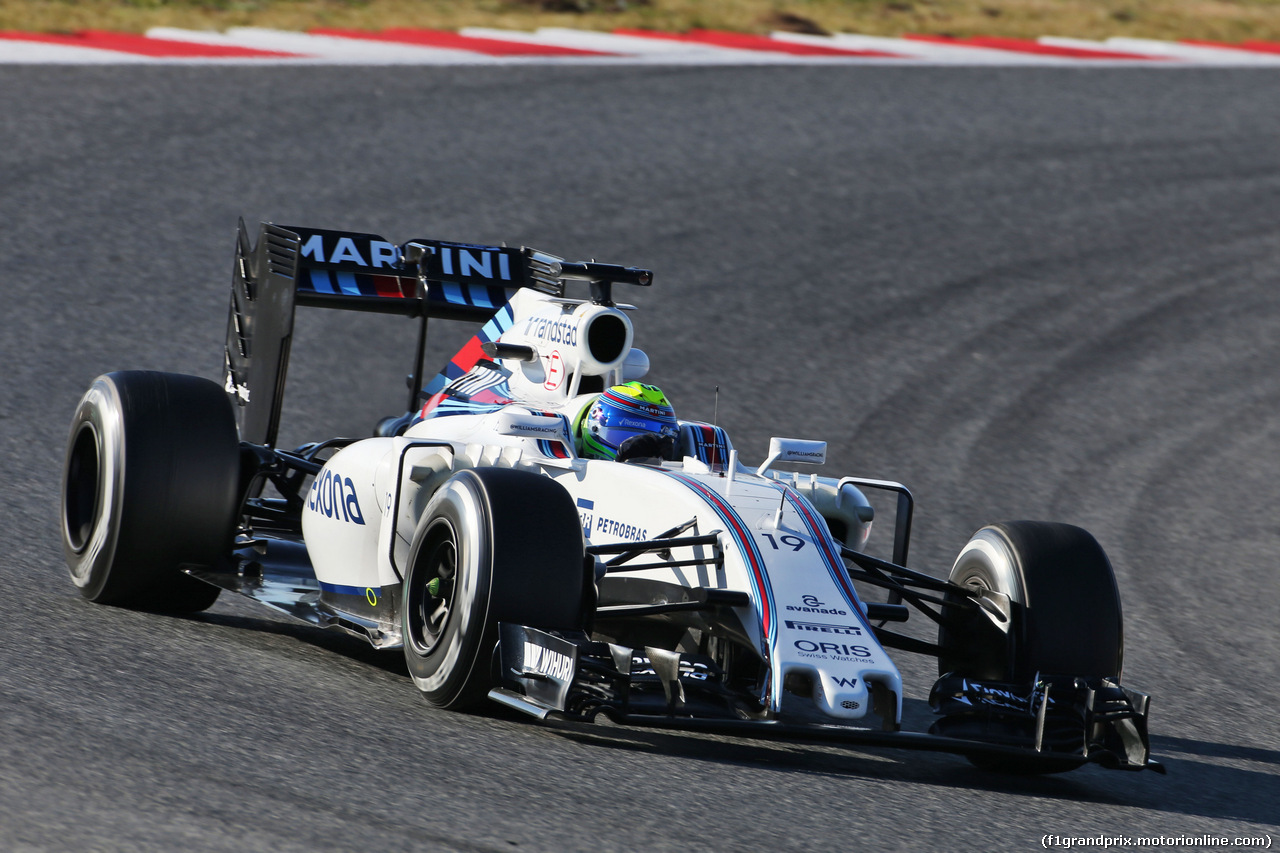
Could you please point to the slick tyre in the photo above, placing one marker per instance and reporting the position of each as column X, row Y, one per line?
column 494, row 545
column 1065, row 619
column 149, row 486
column 1066, row 606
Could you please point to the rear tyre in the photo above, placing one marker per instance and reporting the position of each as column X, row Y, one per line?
column 150, row 485
column 1065, row 619
column 494, row 545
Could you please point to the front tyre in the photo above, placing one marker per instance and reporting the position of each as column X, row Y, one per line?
column 150, row 485
column 494, row 545
column 1066, row 615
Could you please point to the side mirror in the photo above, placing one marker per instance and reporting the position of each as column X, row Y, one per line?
column 794, row 450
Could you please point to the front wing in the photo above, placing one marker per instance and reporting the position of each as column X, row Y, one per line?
column 1058, row 723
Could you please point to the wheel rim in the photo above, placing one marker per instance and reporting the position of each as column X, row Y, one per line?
column 429, row 611
column 80, row 499
column 974, row 648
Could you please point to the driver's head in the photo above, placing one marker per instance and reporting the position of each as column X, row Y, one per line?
column 622, row 412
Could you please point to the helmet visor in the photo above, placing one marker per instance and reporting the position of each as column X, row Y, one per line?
column 613, row 436
column 609, row 424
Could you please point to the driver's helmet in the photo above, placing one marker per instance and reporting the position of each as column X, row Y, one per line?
column 622, row 412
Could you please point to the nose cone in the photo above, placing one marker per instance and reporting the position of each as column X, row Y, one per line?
column 814, row 692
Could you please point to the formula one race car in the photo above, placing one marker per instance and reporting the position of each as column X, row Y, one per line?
column 540, row 531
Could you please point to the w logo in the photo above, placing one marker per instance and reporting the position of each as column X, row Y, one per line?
column 845, row 682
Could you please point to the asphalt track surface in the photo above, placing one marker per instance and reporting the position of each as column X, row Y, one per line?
column 1026, row 293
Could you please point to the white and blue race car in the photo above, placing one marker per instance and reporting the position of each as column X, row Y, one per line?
column 507, row 539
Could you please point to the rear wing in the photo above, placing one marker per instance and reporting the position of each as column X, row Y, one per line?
column 312, row 267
